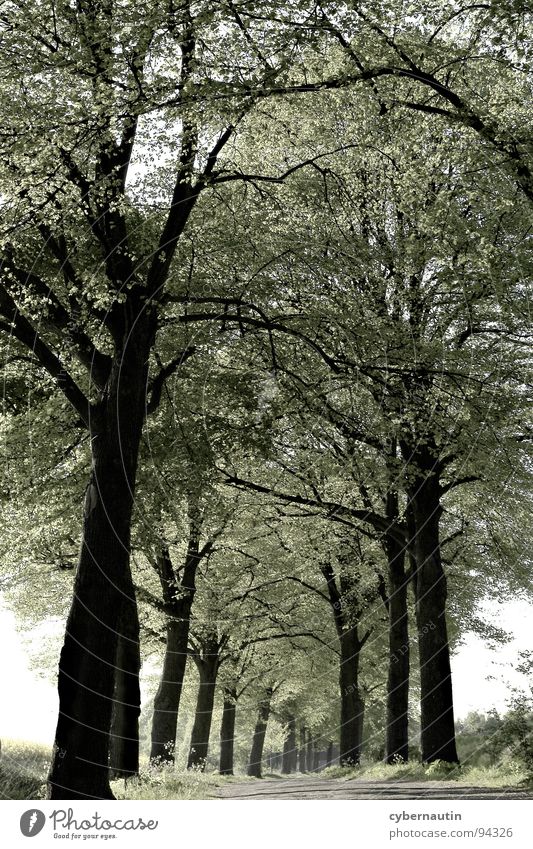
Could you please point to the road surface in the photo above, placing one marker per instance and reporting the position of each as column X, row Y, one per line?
column 309, row 787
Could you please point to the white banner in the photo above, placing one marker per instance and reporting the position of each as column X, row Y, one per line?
column 278, row 824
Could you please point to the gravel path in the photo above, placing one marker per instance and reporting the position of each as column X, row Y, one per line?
column 339, row 788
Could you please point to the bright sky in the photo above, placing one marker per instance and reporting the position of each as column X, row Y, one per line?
column 482, row 678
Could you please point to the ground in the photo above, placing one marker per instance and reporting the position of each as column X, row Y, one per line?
column 315, row 787
column 24, row 767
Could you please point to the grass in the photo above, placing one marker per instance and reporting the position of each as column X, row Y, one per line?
column 23, row 770
column 24, row 766
column 168, row 783
column 506, row 774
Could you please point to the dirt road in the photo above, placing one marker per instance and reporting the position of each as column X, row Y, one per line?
column 304, row 787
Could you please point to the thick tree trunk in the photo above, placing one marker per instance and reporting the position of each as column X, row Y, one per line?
column 201, row 730
column 397, row 730
column 436, row 697
column 316, row 757
column 258, row 741
column 179, row 597
column 289, row 748
column 86, row 680
column 124, row 742
column 352, row 706
column 167, row 698
column 329, row 754
column 227, row 731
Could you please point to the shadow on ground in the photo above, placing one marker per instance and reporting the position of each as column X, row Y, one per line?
column 341, row 788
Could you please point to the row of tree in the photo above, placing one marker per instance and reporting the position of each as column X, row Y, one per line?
column 264, row 281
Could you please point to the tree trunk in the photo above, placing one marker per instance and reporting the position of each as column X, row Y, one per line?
column 302, row 753
column 124, row 742
column 289, row 748
column 316, row 757
column 436, row 697
column 180, row 599
column 167, row 698
column 352, row 706
column 86, row 679
column 329, row 754
column 397, row 729
column 227, row 731
column 258, row 742
column 199, row 748
column 309, row 753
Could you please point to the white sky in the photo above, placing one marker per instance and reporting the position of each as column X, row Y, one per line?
column 482, row 678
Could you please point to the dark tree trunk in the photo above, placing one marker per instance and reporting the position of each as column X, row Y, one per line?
column 352, row 706
column 397, row 729
column 316, row 757
column 436, row 697
column 329, row 754
column 309, row 753
column 124, row 742
column 86, row 679
column 302, row 753
column 227, row 731
column 179, row 597
column 258, row 742
column 289, row 748
column 167, row 698
column 208, row 669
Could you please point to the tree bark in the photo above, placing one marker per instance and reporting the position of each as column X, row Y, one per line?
column 436, row 696
column 289, row 748
column 397, row 730
column 168, row 695
column 124, row 742
column 329, row 754
column 316, row 757
column 309, row 753
column 179, row 596
column 199, row 748
column 352, row 706
column 86, row 679
column 258, row 741
column 302, row 753
column 227, row 731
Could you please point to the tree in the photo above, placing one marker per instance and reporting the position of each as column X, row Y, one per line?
column 93, row 284
column 403, row 385
column 258, row 740
column 85, row 265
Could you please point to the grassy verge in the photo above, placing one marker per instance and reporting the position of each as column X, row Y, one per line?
column 24, row 766
column 168, row 783
column 23, row 770
column 507, row 774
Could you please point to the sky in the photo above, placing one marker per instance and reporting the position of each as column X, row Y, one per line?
column 482, row 678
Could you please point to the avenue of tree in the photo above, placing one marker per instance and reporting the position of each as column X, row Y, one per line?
column 264, row 330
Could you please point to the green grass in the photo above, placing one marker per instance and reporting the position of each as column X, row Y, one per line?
column 506, row 774
column 24, row 767
column 168, row 783
column 23, row 770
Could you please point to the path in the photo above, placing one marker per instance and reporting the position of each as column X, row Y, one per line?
column 303, row 787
